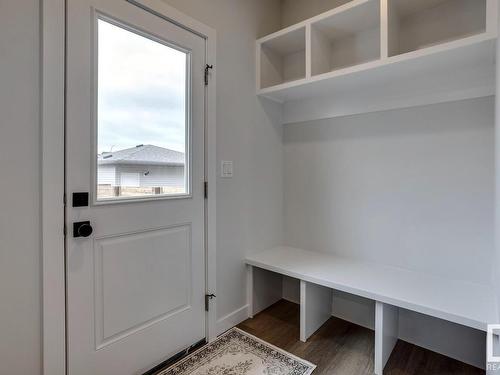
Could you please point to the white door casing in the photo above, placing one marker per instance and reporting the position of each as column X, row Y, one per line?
column 135, row 287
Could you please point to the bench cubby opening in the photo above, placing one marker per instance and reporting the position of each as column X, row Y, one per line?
column 418, row 24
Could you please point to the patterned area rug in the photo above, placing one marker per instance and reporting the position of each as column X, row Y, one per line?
column 238, row 353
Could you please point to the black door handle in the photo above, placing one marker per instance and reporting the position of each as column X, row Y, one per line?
column 82, row 229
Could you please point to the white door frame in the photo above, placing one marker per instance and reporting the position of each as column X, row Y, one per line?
column 52, row 94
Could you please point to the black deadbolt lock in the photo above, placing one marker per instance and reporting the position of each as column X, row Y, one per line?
column 80, row 199
column 82, row 229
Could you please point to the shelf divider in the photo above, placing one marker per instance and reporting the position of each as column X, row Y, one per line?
column 384, row 29
column 308, row 51
column 315, row 308
column 386, row 333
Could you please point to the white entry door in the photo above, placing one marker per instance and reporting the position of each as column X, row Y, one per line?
column 135, row 143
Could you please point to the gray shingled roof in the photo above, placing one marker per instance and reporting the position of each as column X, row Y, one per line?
column 143, row 155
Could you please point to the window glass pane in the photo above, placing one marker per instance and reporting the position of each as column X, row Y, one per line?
column 142, row 121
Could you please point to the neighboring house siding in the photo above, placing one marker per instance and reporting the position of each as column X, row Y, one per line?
column 148, row 175
column 164, row 176
column 157, row 176
column 106, row 175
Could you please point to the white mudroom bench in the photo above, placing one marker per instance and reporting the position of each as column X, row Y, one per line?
column 468, row 304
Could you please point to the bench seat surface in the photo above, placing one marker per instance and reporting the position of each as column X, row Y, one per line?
column 465, row 303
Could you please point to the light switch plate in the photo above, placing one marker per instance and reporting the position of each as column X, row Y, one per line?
column 226, row 169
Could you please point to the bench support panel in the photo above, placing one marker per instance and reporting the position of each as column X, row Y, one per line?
column 492, row 349
column 315, row 308
column 386, row 333
column 264, row 288
column 250, row 290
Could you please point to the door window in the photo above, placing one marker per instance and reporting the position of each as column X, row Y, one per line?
column 142, row 115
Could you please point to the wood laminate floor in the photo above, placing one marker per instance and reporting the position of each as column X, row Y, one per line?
column 343, row 348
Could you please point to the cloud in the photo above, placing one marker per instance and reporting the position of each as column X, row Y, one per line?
column 150, row 97
column 141, row 91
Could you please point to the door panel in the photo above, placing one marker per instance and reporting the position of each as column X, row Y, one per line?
column 160, row 259
column 135, row 141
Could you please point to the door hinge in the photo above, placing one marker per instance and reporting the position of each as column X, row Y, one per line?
column 208, row 297
column 64, row 199
column 205, row 189
column 207, row 68
column 64, row 230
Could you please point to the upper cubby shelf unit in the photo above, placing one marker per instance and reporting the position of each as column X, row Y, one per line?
column 382, row 44
column 347, row 38
column 282, row 58
column 417, row 24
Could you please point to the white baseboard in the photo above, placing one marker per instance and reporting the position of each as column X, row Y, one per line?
column 292, row 300
column 232, row 319
column 353, row 321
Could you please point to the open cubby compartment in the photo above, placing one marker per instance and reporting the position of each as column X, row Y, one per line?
column 346, row 37
column 283, row 58
column 417, row 24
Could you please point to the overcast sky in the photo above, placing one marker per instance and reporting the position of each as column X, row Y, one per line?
column 141, row 94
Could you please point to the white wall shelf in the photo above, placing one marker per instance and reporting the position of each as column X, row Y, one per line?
column 371, row 55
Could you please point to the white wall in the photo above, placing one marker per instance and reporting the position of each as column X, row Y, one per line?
column 412, row 188
column 20, row 276
column 293, row 11
column 250, row 205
